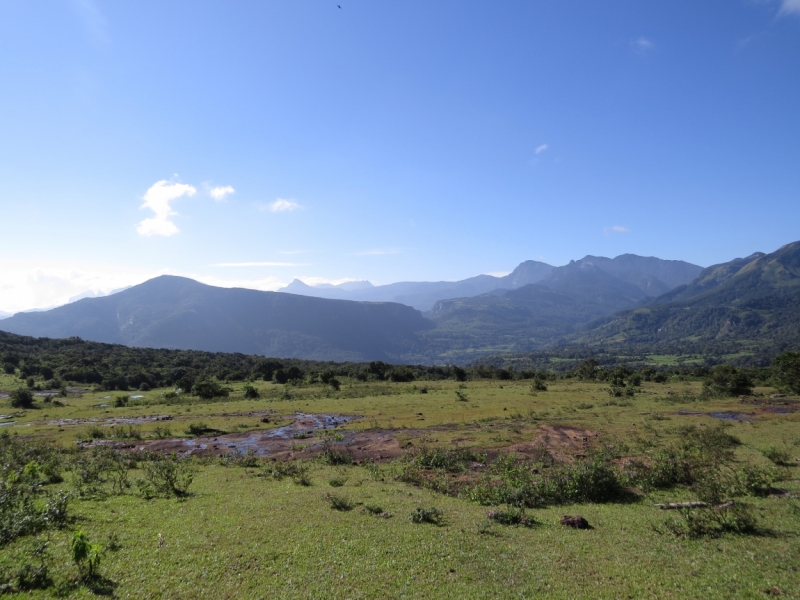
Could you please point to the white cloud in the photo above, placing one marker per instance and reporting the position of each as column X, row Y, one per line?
column 25, row 284
column 158, row 199
column 261, row 264
column 542, row 148
column 498, row 273
column 219, row 192
column 789, row 7
column 615, row 229
column 642, row 44
column 281, row 205
column 379, row 251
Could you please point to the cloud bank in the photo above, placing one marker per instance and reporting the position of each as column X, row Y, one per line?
column 158, row 199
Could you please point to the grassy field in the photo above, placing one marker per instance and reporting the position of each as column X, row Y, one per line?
column 240, row 535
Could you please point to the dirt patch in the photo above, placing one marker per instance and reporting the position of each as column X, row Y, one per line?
column 562, row 442
column 304, row 438
column 112, row 420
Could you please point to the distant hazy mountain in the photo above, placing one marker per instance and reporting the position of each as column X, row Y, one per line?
column 422, row 295
column 531, row 316
column 4, row 315
column 175, row 312
column 753, row 300
column 652, row 275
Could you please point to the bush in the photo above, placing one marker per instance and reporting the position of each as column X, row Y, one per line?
column 713, row 521
column 250, row 392
column 726, row 380
column 427, row 515
column 85, row 555
column 778, row 456
column 199, row 428
column 21, row 398
column 207, row 390
column 166, row 476
column 338, row 502
column 511, row 516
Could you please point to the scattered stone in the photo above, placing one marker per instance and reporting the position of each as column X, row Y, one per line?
column 576, row 522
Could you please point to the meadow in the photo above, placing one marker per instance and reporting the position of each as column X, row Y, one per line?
column 439, row 489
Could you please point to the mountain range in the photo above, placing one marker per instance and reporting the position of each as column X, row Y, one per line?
column 652, row 275
column 596, row 301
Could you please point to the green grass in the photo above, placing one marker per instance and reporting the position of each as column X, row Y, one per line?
column 241, row 536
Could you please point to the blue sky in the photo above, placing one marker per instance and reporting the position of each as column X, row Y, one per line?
column 387, row 140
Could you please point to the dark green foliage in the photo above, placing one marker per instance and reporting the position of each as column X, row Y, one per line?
column 209, row 389
column 786, row 368
column 725, row 380
column 21, row 398
column 199, row 428
column 427, row 515
column 250, row 392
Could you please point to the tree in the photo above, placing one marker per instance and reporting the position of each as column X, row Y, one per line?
column 209, row 389
column 726, row 380
column 786, row 368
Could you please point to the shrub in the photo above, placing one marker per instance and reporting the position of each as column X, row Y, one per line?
column 250, row 392
column 208, row 390
column 337, row 481
column 338, row 502
column 461, row 396
column 166, row 476
column 21, row 398
column 511, row 516
column 198, row 428
column 162, row 433
column 96, row 432
column 778, row 456
column 427, row 515
column 85, row 555
column 725, row 380
column 713, row 521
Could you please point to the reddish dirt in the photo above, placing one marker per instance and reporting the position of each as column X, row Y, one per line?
column 304, row 438
column 562, row 442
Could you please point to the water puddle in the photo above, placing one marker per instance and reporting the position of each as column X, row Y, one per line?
column 260, row 443
column 725, row 415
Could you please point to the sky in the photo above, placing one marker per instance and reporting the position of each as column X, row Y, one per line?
column 251, row 143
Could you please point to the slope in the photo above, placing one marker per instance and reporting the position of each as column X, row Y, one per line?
column 748, row 303
column 175, row 312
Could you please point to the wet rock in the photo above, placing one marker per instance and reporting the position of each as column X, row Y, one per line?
column 576, row 522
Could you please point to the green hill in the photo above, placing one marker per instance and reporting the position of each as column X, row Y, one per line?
column 749, row 304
